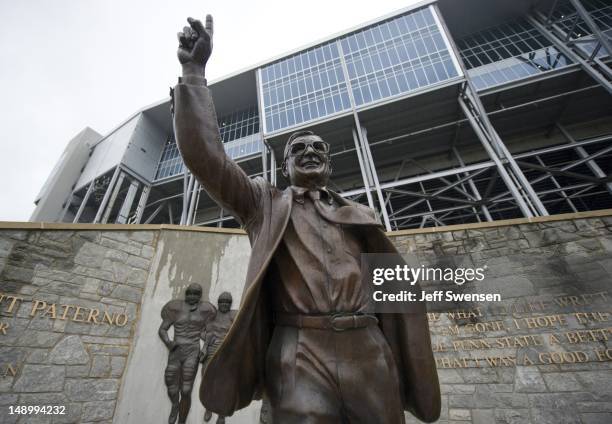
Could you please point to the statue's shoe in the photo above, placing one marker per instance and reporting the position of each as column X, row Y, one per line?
column 207, row 416
column 220, row 420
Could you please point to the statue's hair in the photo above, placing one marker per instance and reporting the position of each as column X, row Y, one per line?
column 225, row 297
column 194, row 287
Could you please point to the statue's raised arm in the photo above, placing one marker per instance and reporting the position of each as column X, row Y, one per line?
column 197, row 132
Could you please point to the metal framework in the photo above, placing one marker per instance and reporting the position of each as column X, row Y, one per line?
column 482, row 172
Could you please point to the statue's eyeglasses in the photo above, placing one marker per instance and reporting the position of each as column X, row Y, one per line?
column 299, row 147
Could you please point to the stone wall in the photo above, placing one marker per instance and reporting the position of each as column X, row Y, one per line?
column 80, row 312
column 54, row 348
column 542, row 354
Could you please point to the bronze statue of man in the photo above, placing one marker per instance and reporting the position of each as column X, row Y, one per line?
column 302, row 336
column 214, row 334
column 188, row 317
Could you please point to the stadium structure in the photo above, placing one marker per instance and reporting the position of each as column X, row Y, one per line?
column 445, row 112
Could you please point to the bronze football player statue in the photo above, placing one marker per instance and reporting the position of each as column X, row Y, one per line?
column 189, row 317
column 214, row 334
column 303, row 337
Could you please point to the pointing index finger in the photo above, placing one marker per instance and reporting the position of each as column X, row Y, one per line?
column 209, row 24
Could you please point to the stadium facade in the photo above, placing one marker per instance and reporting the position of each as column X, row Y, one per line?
column 446, row 112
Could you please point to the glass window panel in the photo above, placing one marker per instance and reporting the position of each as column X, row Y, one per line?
column 327, row 53
column 357, row 96
column 306, row 113
column 431, row 74
column 352, row 43
column 369, row 37
column 319, row 55
column 418, row 17
column 346, row 103
column 420, row 46
column 377, row 35
column 329, row 105
column 395, row 32
column 427, row 15
column 384, row 29
column 401, row 25
column 421, row 77
column 429, row 44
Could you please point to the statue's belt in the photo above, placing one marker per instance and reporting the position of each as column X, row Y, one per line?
column 336, row 322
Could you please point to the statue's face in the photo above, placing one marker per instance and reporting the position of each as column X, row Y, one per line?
column 192, row 297
column 224, row 305
column 307, row 163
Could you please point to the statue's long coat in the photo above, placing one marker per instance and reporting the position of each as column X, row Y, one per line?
column 235, row 374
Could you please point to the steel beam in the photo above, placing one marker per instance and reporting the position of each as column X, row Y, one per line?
column 366, row 183
column 126, row 206
column 113, row 197
column 483, row 207
column 493, row 155
column 593, row 166
column 556, row 183
column 77, row 217
column 155, row 212
column 144, row 196
column 187, row 195
column 192, row 201
column 530, row 195
column 586, row 17
column 567, row 51
column 107, row 194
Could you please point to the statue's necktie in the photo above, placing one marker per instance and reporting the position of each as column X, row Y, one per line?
column 346, row 215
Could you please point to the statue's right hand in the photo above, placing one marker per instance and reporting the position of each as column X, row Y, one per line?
column 195, row 43
column 172, row 346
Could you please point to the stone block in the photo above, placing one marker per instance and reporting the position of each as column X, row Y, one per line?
column 483, row 416
column 37, row 356
column 459, row 414
column 69, row 351
column 124, row 247
column 77, row 370
column 109, row 350
column 72, row 415
column 42, row 399
column 596, row 418
column 40, row 378
column 120, row 236
column 147, row 252
column 512, row 416
column 100, row 366
column 8, row 399
column 87, row 389
column 528, row 380
column 32, row 338
column 561, row 382
column 558, row 400
column 98, row 410
column 137, row 277
column 138, row 262
column 90, row 255
column 144, row 237
column 596, row 382
column 18, row 273
column 117, row 366
column 555, row 416
column 127, row 293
